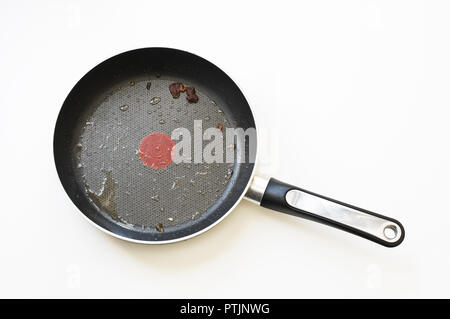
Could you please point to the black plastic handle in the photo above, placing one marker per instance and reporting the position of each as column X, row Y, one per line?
column 298, row 202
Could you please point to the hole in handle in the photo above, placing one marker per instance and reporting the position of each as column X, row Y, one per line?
column 390, row 232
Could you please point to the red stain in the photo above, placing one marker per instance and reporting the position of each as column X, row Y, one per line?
column 156, row 150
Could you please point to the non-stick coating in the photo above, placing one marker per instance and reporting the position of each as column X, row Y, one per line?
column 95, row 143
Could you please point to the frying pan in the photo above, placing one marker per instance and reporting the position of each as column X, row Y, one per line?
column 125, row 103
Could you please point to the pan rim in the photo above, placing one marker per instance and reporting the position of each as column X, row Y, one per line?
column 203, row 230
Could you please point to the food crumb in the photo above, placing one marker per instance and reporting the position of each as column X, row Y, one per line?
column 229, row 174
column 191, row 96
column 155, row 100
column 160, row 228
column 132, row 83
column 219, row 127
column 170, row 219
column 195, row 215
column 175, row 89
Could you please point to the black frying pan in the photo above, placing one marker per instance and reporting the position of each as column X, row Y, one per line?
column 120, row 114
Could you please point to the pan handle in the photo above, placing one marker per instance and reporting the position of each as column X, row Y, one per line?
column 285, row 198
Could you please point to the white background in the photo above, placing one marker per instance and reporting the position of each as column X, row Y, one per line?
column 356, row 96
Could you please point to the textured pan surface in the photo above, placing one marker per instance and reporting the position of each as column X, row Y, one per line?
column 131, row 192
column 96, row 142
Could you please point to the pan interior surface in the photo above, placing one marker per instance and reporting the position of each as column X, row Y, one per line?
column 110, row 169
column 113, row 109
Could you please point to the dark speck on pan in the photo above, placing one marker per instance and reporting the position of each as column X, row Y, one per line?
column 160, row 228
column 175, row 89
column 191, row 96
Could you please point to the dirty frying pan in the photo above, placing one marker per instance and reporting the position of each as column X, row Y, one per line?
column 114, row 132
